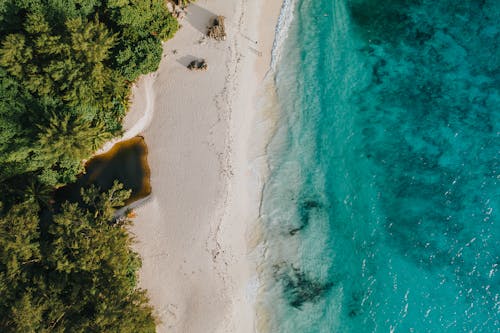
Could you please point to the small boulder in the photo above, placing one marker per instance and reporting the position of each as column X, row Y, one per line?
column 198, row 65
column 218, row 30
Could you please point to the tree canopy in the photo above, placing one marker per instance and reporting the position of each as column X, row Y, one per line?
column 66, row 67
column 71, row 270
column 70, row 62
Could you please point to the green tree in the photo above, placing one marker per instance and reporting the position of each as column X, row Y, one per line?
column 19, row 247
column 73, row 271
column 27, row 315
column 63, row 142
column 69, row 137
column 143, row 24
column 19, row 253
column 65, row 73
column 15, row 54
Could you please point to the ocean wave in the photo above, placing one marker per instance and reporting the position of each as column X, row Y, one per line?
column 284, row 21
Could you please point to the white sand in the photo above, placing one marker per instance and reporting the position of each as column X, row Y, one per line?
column 205, row 137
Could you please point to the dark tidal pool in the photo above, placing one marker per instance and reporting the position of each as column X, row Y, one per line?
column 125, row 162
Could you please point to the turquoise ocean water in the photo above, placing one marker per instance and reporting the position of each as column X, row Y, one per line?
column 381, row 213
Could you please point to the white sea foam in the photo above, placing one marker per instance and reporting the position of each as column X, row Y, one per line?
column 284, row 21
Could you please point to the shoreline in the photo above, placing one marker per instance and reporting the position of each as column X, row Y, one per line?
column 205, row 159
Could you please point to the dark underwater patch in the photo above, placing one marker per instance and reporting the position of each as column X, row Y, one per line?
column 305, row 208
column 402, row 100
column 381, row 19
column 300, row 287
column 434, row 73
column 354, row 306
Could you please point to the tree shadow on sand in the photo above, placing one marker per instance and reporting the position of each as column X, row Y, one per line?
column 186, row 60
column 199, row 18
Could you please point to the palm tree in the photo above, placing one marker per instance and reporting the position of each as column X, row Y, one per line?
column 39, row 193
column 69, row 137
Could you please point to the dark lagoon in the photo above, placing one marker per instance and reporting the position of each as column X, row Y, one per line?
column 126, row 162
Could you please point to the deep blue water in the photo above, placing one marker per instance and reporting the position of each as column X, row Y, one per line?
column 381, row 213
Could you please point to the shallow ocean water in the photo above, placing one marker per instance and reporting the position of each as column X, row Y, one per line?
column 381, row 211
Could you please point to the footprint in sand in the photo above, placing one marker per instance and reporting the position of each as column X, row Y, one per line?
column 172, row 315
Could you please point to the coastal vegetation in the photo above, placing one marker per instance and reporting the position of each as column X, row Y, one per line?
column 65, row 69
column 65, row 72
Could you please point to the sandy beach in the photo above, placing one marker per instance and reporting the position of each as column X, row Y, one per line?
column 206, row 138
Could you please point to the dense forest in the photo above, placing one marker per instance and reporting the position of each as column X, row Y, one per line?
column 66, row 67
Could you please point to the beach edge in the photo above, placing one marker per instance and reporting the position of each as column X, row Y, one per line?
column 192, row 235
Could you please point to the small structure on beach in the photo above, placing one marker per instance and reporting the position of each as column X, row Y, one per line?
column 217, row 30
column 198, row 65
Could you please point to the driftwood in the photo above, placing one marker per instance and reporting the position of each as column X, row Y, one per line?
column 198, row 65
column 217, row 31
